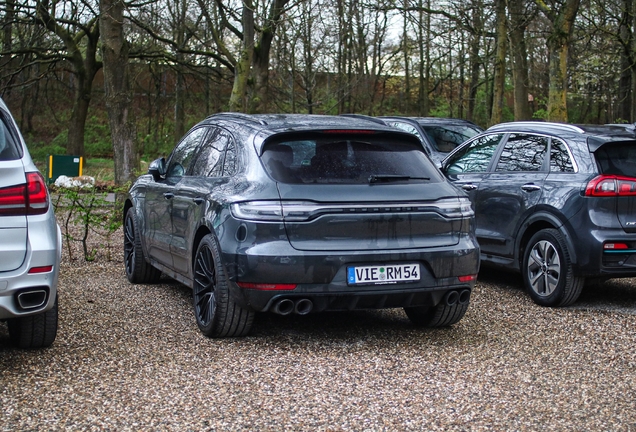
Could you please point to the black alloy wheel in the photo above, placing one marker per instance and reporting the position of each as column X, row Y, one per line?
column 217, row 314
column 138, row 270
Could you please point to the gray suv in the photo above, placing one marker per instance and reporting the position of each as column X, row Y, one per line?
column 299, row 214
column 556, row 202
column 31, row 246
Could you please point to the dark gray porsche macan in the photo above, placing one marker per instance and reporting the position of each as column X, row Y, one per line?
column 299, row 214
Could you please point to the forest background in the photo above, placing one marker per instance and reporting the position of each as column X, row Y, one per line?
column 124, row 80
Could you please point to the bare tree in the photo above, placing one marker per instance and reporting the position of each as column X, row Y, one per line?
column 118, row 94
column 500, row 62
column 561, row 15
column 519, row 19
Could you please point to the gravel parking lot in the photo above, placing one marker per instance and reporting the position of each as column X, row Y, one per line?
column 131, row 358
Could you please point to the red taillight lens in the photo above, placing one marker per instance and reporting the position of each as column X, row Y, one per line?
column 609, row 186
column 44, row 269
column 13, row 201
column 615, row 246
column 467, row 278
column 266, row 287
column 31, row 198
column 37, row 193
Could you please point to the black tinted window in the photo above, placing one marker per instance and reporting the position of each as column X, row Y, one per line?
column 351, row 159
column 216, row 157
column 183, row 154
column 617, row 158
column 8, row 145
column 523, row 153
column 446, row 138
column 230, row 163
column 407, row 128
column 475, row 157
column 560, row 160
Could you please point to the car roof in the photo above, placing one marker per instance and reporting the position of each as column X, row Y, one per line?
column 433, row 120
column 264, row 126
column 301, row 122
column 595, row 135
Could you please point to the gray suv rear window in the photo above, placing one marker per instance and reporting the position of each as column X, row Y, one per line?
column 348, row 160
column 8, row 146
column 617, row 158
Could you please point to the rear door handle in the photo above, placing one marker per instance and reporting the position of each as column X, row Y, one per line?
column 198, row 200
column 168, row 195
column 530, row 187
column 469, row 187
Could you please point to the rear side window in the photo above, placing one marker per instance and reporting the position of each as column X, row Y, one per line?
column 9, row 149
column 560, row 160
column 617, row 158
column 347, row 159
column 523, row 153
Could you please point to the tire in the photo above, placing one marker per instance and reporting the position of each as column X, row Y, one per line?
column 138, row 270
column 34, row 331
column 442, row 315
column 216, row 312
column 547, row 270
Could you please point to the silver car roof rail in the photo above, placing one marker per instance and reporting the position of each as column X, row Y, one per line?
column 563, row 126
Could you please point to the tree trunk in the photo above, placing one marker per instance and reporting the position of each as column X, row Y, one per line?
column 499, row 79
column 117, row 91
column 424, row 43
column 558, row 46
column 519, row 61
column 7, row 43
column 475, row 62
column 238, row 98
column 407, row 55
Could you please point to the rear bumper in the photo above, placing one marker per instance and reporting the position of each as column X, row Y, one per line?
column 23, row 293
column 594, row 260
column 322, row 298
column 321, row 277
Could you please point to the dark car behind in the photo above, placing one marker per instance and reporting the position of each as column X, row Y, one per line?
column 554, row 201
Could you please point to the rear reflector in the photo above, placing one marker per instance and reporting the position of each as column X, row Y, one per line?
column 467, row 278
column 31, row 198
column 266, row 287
column 615, row 246
column 611, row 186
column 44, row 269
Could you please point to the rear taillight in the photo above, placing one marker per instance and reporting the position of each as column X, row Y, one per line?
column 611, row 186
column 31, row 198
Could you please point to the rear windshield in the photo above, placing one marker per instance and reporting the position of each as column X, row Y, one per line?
column 617, row 158
column 8, row 145
column 446, row 138
column 347, row 159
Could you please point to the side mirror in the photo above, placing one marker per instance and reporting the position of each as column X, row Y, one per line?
column 157, row 168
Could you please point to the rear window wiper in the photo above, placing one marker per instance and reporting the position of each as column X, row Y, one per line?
column 390, row 178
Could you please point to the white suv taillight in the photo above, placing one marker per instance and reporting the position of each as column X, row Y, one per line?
column 31, row 198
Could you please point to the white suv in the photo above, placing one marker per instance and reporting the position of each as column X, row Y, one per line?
column 31, row 245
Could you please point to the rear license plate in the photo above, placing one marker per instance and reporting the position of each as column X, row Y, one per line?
column 383, row 274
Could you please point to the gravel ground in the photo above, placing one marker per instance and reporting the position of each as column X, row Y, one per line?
column 131, row 358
